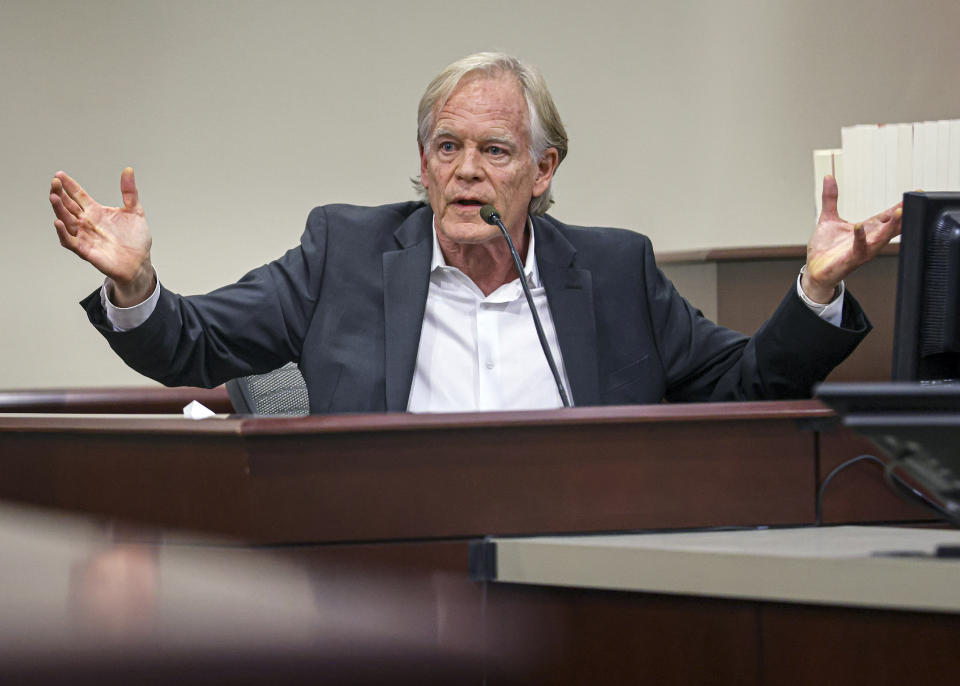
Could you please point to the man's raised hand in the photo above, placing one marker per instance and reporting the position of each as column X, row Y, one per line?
column 838, row 247
column 115, row 240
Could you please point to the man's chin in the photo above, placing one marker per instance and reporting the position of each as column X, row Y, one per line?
column 468, row 232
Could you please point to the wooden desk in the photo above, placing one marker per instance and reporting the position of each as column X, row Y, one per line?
column 852, row 566
column 749, row 607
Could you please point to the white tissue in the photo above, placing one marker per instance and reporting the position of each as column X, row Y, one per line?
column 196, row 410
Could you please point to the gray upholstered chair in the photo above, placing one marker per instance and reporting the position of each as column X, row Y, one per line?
column 280, row 392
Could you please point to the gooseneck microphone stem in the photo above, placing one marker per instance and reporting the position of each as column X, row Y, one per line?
column 491, row 216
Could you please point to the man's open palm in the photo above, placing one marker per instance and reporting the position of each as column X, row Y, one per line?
column 115, row 240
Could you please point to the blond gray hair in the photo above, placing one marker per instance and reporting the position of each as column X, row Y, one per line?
column 546, row 128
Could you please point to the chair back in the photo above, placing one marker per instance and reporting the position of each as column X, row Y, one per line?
column 280, row 392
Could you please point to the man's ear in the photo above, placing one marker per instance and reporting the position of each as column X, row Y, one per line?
column 423, row 165
column 546, row 166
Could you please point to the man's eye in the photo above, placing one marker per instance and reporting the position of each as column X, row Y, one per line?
column 496, row 150
column 446, row 146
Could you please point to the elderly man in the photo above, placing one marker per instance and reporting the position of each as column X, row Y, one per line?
column 418, row 307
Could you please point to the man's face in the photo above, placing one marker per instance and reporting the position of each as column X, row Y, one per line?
column 479, row 153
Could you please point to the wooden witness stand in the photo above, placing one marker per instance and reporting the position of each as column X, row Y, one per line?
column 357, row 478
column 302, row 480
column 402, row 495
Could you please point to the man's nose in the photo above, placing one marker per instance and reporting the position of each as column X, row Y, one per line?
column 470, row 166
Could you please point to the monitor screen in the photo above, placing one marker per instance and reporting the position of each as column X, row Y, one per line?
column 926, row 345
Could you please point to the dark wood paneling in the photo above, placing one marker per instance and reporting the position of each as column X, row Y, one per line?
column 749, row 291
column 574, row 637
column 810, row 646
column 379, row 477
column 189, row 481
column 534, row 479
column 750, row 282
column 365, row 478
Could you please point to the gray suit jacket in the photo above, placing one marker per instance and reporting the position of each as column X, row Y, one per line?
column 347, row 305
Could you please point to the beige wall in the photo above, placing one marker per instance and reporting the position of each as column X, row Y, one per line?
column 690, row 121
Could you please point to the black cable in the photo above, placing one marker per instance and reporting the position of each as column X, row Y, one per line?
column 491, row 216
column 895, row 483
column 818, row 518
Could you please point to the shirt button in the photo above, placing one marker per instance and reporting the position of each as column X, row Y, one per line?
column 490, row 364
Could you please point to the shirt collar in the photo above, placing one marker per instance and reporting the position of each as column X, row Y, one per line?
column 529, row 267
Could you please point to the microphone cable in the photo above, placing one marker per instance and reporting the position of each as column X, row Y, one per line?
column 490, row 215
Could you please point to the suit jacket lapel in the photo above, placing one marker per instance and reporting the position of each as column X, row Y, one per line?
column 570, row 296
column 406, row 280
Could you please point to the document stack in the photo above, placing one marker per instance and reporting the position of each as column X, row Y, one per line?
column 878, row 163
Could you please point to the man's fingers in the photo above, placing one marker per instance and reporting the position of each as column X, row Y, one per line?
column 883, row 226
column 68, row 202
column 888, row 214
column 74, row 190
column 66, row 240
column 829, row 198
column 859, row 242
column 888, row 228
column 64, row 216
column 128, row 187
column 71, row 205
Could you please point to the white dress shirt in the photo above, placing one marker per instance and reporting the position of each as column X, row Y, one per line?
column 482, row 352
column 476, row 352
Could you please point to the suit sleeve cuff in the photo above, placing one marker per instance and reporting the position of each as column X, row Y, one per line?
column 126, row 318
column 831, row 312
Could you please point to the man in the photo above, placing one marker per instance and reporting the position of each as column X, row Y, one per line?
column 417, row 306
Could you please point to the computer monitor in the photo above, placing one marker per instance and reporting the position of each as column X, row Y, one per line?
column 926, row 345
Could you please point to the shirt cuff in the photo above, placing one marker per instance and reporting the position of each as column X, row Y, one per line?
column 126, row 318
column 832, row 312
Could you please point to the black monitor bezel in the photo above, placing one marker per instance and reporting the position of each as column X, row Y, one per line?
column 920, row 211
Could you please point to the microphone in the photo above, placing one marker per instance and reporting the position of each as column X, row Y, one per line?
column 490, row 215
